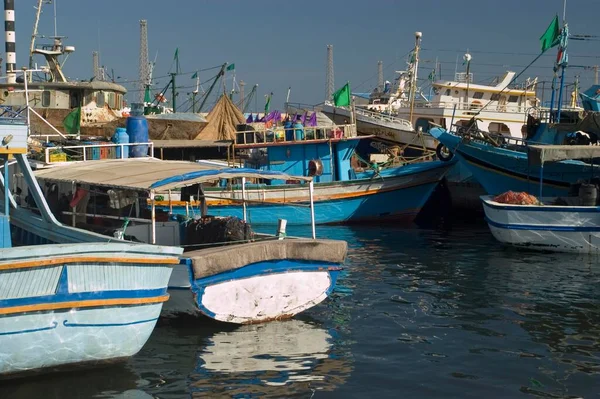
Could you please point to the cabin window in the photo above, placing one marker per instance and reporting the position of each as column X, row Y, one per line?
column 513, row 99
column 499, row 128
column 46, row 98
column 447, row 92
column 478, row 95
column 100, row 99
column 495, row 97
column 111, row 99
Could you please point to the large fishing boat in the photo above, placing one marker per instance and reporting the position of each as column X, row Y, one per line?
column 92, row 107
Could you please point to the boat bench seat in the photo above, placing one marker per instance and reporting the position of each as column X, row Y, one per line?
column 211, row 261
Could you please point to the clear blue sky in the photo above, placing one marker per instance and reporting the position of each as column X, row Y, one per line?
column 277, row 44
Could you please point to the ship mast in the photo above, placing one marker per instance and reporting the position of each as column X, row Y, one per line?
column 38, row 12
column 414, row 69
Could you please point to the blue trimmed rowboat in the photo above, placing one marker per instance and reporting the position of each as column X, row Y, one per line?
column 262, row 279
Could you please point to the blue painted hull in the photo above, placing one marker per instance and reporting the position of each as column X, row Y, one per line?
column 391, row 198
column 500, row 169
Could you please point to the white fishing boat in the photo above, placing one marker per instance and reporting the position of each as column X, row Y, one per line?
column 75, row 303
column 79, row 303
column 561, row 224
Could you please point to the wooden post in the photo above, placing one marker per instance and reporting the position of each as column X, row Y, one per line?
column 244, row 198
column 281, row 225
column 311, row 190
column 153, row 217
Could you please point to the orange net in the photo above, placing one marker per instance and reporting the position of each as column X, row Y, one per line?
column 511, row 197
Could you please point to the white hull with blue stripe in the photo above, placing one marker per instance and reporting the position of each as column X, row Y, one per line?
column 79, row 303
column 545, row 227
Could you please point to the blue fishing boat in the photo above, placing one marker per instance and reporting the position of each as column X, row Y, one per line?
column 501, row 164
column 344, row 190
column 74, row 303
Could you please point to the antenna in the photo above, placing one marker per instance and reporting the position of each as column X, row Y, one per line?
column 329, row 84
column 144, row 78
column 380, row 75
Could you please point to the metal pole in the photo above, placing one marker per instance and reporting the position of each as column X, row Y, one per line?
column 560, row 92
column 27, row 101
column 541, row 179
column 153, row 217
column 173, row 89
column 244, row 198
column 311, row 190
column 6, row 187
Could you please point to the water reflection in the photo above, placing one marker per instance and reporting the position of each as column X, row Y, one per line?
column 110, row 381
column 271, row 360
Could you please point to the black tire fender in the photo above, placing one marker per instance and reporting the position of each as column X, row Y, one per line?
column 443, row 153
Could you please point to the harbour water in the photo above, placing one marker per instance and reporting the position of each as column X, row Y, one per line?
column 417, row 314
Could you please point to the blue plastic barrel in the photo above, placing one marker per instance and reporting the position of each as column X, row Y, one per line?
column 289, row 133
column 121, row 137
column 137, row 129
column 298, row 131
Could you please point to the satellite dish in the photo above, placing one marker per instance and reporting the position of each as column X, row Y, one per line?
column 69, row 49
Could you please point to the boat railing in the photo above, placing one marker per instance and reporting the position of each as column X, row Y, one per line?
column 383, row 117
column 474, row 106
column 90, row 152
column 47, row 138
column 473, row 133
column 281, row 134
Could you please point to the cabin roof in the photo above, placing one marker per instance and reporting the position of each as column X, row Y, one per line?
column 93, row 85
column 538, row 154
column 151, row 173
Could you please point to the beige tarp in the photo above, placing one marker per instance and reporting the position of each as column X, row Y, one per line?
column 539, row 154
column 148, row 173
column 222, row 121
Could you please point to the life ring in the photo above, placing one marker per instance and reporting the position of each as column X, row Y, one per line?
column 443, row 153
column 315, row 167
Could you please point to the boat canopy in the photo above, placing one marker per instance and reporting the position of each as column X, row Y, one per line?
column 538, row 154
column 151, row 173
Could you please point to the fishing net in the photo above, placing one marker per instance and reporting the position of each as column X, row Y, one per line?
column 213, row 230
column 515, row 198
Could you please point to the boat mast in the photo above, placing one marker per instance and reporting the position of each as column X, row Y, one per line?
column 414, row 69
column 38, row 12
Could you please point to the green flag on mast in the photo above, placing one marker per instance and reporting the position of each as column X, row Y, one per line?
column 195, row 75
column 550, row 38
column 72, row 121
column 230, row 67
column 341, row 98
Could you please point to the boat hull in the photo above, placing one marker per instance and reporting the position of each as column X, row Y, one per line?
column 499, row 170
column 78, row 303
column 264, row 291
column 545, row 228
column 386, row 198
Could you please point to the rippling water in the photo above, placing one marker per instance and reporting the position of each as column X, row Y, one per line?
column 417, row 314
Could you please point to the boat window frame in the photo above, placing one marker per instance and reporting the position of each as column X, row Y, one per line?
column 46, row 98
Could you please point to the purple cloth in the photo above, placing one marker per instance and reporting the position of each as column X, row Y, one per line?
column 249, row 119
column 304, row 118
column 313, row 119
column 256, row 119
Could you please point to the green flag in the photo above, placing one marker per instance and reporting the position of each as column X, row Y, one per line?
column 195, row 75
column 176, row 53
column 268, row 103
column 230, row 67
column 431, row 76
column 341, row 98
column 72, row 121
column 550, row 38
